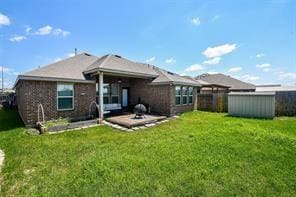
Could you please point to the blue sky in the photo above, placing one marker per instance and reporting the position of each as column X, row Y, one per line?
column 252, row 40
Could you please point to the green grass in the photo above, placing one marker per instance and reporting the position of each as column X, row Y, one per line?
column 198, row 154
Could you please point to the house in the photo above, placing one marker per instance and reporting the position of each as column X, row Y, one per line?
column 207, row 87
column 68, row 87
column 226, row 83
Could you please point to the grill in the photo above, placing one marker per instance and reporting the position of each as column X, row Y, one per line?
column 140, row 111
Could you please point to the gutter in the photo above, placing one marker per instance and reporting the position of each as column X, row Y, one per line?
column 34, row 78
column 174, row 83
column 128, row 73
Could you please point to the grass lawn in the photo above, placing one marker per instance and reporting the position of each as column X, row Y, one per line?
column 196, row 154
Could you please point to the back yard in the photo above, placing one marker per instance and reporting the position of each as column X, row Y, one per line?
column 198, row 153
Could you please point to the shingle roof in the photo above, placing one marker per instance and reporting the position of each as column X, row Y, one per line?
column 221, row 79
column 70, row 68
column 115, row 63
column 77, row 68
column 198, row 80
column 118, row 63
column 165, row 76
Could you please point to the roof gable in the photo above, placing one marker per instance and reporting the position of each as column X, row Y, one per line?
column 70, row 68
column 117, row 63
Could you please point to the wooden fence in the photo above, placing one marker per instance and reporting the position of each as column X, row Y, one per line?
column 216, row 102
column 285, row 103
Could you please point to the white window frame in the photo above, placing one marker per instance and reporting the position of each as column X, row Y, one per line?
column 184, row 95
column 190, row 95
column 65, row 97
column 179, row 95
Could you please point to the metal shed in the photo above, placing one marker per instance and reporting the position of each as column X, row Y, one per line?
column 252, row 104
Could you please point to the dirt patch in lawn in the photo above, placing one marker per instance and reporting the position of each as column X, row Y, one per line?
column 1, row 164
column 1, row 159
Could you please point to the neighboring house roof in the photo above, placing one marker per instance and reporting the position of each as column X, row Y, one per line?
column 224, row 80
column 206, row 84
column 275, row 88
column 79, row 67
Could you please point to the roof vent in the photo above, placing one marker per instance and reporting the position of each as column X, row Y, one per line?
column 117, row 56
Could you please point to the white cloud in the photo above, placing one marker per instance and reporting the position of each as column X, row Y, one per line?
column 15, row 73
column 265, row 65
column 48, row 30
column 5, row 69
column 259, row 55
column 17, row 38
column 249, row 78
column 170, row 61
column 215, row 18
column 234, row 70
column 44, row 30
column 220, row 50
column 60, row 32
column 287, row 76
column 57, row 59
column 151, row 59
column 194, row 67
column 4, row 20
column 212, row 72
column 195, row 21
column 266, row 69
column 71, row 55
column 215, row 60
column 28, row 29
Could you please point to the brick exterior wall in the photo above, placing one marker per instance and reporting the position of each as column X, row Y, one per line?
column 31, row 93
column 178, row 109
column 161, row 98
column 157, row 96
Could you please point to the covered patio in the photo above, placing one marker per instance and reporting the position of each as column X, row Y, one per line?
column 116, row 94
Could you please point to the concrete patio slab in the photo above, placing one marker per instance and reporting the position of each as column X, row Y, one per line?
column 130, row 121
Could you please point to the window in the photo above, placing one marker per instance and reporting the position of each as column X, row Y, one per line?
column 106, row 93
column 97, row 93
column 184, row 95
column 190, row 95
column 65, row 96
column 178, row 95
column 114, row 93
column 110, row 93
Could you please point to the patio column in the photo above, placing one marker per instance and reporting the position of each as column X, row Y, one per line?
column 101, row 101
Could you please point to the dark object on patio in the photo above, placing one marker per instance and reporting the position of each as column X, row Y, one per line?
column 140, row 111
